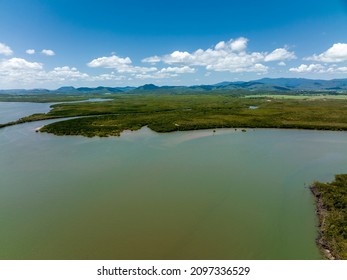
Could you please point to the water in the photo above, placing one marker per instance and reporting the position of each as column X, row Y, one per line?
column 12, row 111
column 184, row 195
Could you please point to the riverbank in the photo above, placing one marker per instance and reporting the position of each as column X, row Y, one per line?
column 331, row 208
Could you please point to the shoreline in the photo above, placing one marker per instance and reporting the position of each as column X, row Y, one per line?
column 36, row 118
column 330, row 200
column 321, row 213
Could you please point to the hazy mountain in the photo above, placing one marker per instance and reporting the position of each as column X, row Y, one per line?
column 306, row 84
column 265, row 84
column 148, row 87
column 68, row 90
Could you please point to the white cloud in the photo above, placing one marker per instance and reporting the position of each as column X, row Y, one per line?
column 48, row 52
column 179, row 57
column 152, row 59
column 110, row 62
column 342, row 69
column 220, row 45
column 19, row 64
column 19, row 71
column 228, row 56
column 281, row 63
column 6, row 50
column 178, row 70
column 157, row 75
column 121, row 65
column 337, row 53
column 304, row 68
column 337, row 70
column 164, row 73
column 30, row 51
column 108, row 77
column 280, row 54
column 319, row 68
column 23, row 71
column 239, row 44
column 66, row 73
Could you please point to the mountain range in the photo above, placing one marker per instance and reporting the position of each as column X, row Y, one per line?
column 265, row 84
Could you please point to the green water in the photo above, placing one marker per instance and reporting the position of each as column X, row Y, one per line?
column 184, row 195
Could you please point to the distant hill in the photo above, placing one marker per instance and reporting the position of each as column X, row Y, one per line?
column 288, row 84
column 265, row 84
column 307, row 84
column 147, row 87
column 69, row 90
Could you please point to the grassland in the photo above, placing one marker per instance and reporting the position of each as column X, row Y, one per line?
column 331, row 201
column 166, row 113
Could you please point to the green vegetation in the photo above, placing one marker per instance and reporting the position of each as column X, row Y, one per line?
column 299, row 96
column 165, row 113
column 331, row 199
column 48, row 98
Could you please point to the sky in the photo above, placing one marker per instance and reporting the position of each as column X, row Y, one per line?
column 54, row 43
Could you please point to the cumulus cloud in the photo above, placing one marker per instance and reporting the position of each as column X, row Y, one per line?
column 19, row 70
column 19, row 64
column 121, row 65
column 339, row 70
column 30, row 51
column 178, row 70
column 281, row 63
column 164, row 73
column 304, row 68
column 335, row 70
column 319, row 68
column 66, row 73
column 108, row 77
column 337, row 53
column 48, row 52
column 110, row 62
column 280, row 54
column 221, row 45
column 157, row 75
column 6, row 50
column 228, row 56
column 239, row 44
column 179, row 57
column 152, row 59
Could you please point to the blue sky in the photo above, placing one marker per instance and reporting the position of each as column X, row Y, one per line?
column 54, row 43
